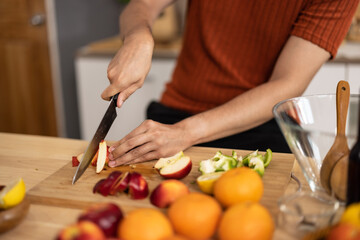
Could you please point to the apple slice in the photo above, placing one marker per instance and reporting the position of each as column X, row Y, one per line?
column 79, row 157
column 98, row 185
column 94, row 159
column 75, row 161
column 121, row 185
column 138, row 187
column 105, row 186
column 102, row 156
column 176, row 167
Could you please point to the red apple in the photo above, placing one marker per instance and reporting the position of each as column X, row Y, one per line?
column 118, row 182
column 167, row 192
column 344, row 231
column 107, row 186
column 176, row 167
column 75, row 161
column 95, row 158
column 98, row 185
column 84, row 230
column 138, row 187
column 106, row 215
column 121, row 185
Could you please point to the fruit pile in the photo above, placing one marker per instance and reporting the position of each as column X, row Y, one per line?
column 211, row 169
column 234, row 212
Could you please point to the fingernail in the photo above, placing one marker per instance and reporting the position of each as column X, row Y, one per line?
column 111, row 149
column 111, row 164
column 110, row 156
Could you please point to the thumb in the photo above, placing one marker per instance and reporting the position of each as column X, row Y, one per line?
column 109, row 92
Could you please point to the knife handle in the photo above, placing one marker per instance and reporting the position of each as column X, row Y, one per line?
column 115, row 98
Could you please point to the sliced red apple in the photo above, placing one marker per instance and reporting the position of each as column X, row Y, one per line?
column 105, row 186
column 118, row 182
column 121, row 185
column 80, row 156
column 138, row 187
column 176, row 167
column 105, row 215
column 94, row 159
column 101, row 159
column 75, row 161
column 98, row 185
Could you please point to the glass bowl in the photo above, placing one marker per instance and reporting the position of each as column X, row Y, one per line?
column 304, row 212
column 308, row 124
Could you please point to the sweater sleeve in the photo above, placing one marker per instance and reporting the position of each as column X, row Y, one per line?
column 325, row 22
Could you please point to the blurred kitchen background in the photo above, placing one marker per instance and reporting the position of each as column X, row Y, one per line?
column 54, row 55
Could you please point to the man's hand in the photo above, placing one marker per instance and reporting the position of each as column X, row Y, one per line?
column 151, row 140
column 129, row 68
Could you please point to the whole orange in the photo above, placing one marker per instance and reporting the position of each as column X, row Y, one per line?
column 195, row 216
column 238, row 185
column 246, row 221
column 175, row 237
column 145, row 224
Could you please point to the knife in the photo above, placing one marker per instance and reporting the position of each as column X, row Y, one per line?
column 100, row 134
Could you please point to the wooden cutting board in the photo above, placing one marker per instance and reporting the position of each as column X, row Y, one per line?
column 57, row 190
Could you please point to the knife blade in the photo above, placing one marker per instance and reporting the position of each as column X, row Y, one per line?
column 99, row 135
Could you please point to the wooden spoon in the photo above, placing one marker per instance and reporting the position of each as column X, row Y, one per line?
column 338, row 179
column 340, row 146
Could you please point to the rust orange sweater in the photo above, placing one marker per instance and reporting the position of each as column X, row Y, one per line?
column 231, row 46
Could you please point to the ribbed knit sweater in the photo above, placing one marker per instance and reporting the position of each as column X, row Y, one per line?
column 232, row 46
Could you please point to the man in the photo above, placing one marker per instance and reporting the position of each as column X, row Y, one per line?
column 239, row 58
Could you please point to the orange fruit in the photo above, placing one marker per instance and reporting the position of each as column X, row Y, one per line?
column 145, row 224
column 195, row 216
column 246, row 221
column 175, row 237
column 238, row 185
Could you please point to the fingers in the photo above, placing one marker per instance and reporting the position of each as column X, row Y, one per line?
column 139, row 154
column 110, row 91
column 125, row 94
column 137, row 146
column 151, row 140
column 127, row 144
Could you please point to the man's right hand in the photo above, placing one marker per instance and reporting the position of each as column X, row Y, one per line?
column 130, row 66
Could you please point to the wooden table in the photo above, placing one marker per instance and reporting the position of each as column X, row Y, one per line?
column 35, row 158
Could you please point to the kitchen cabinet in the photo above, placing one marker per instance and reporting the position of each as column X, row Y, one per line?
column 92, row 80
column 346, row 66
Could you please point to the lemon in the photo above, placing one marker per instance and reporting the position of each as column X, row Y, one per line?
column 12, row 194
column 351, row 215
column 206, row 181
